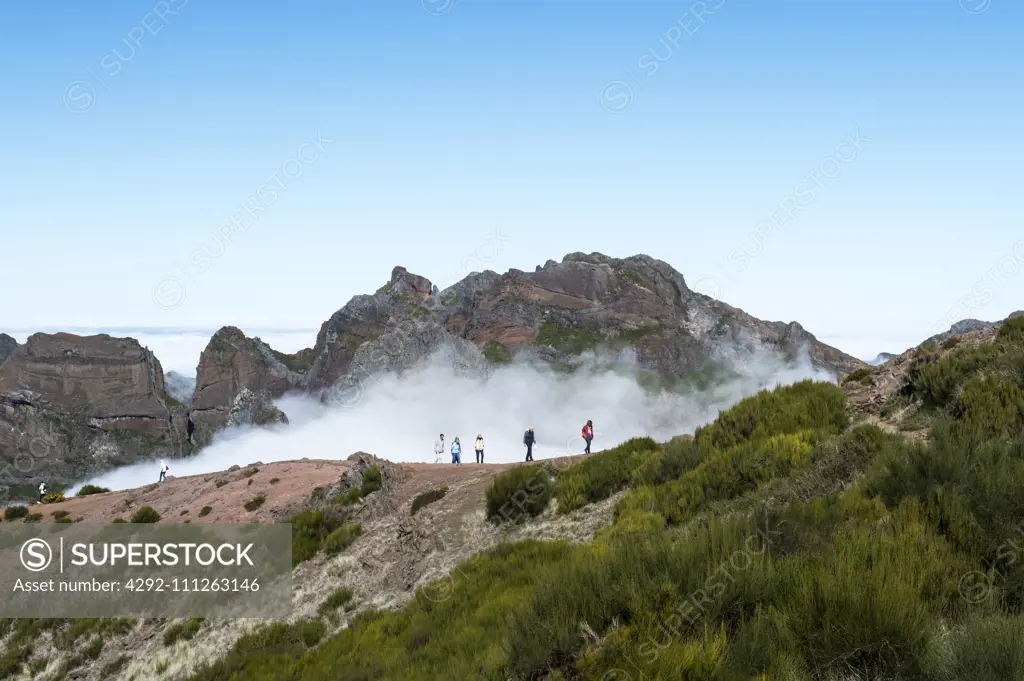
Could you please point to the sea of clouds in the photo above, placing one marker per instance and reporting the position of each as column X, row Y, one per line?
column 399, row 417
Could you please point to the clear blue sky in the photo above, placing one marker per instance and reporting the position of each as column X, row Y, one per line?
column 133, row 131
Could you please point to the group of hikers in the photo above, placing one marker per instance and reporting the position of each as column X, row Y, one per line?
column 529, row 438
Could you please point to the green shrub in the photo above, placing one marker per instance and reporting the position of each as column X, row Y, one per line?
column 309, row 530
column 427, row 498
column 268, row 653
column 519, row 492
column 274, row 481
column 65, row 520
column 34, row 518
column 182, row 631
column 116, row 521
column 91, row 489
column 353, row 495
column 94, row 648
column 371, row 480
column 205, row 511
column 988, row 407
column 802, row 406
column 988, row 649
column 863, row 375
column 341, row 598
column 341, row 538
column 146, row 514
column 937, row 381
column 255, row 502
column 57, row 515
column 15, row 512
column 724, row 474
column 598, row 477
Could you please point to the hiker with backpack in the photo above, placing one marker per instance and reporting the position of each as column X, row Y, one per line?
column 588, row 435
column 528, row 439
column 457, row 452
column 42, row 491
column 478, row 446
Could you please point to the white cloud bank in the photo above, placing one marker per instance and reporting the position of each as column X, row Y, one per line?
column 399, row 418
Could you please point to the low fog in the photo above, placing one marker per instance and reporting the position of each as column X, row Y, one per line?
column 399, row 418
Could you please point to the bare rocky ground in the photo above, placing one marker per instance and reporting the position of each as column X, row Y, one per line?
column 395, row 554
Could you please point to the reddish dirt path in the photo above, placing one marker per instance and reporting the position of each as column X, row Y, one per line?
column 226, row 492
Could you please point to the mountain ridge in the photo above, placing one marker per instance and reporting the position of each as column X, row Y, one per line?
column 552, row 315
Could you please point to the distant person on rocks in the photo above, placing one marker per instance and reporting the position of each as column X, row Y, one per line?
column 439, row 449
column 163, row 470
column 478, row 445
column 456, row 452
column 588, row 435
column 42, row 491
column 528, row 439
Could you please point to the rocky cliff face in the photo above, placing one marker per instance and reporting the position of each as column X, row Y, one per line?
column 7, row 346
column 230, row 364
column 552, row 314
column 71, row 406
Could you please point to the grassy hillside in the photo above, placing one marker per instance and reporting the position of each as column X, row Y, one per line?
column 780, row 543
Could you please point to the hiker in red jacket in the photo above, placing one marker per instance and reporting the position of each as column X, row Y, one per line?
column 588, row 435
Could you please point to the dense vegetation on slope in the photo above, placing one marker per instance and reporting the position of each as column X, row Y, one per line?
column 912, row 571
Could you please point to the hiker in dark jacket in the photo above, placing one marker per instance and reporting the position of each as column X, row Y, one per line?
column 528, row 439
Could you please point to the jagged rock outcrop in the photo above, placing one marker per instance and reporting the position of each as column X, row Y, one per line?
column 7, row 346
column 231, row 363
column 882, row 358
column 552, row 314
column 72, row 406
column 254, row 409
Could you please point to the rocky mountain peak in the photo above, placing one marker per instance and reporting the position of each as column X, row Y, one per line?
column 404, row 282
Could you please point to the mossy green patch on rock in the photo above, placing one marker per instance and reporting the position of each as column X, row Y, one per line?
column 630, row 276
column 496, row 353
column 570, row 339
column 302, row 360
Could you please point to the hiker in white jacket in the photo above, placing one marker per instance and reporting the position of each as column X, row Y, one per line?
column 163, row 470
column 42, row 491
column 478, row 445
column 439, row 449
